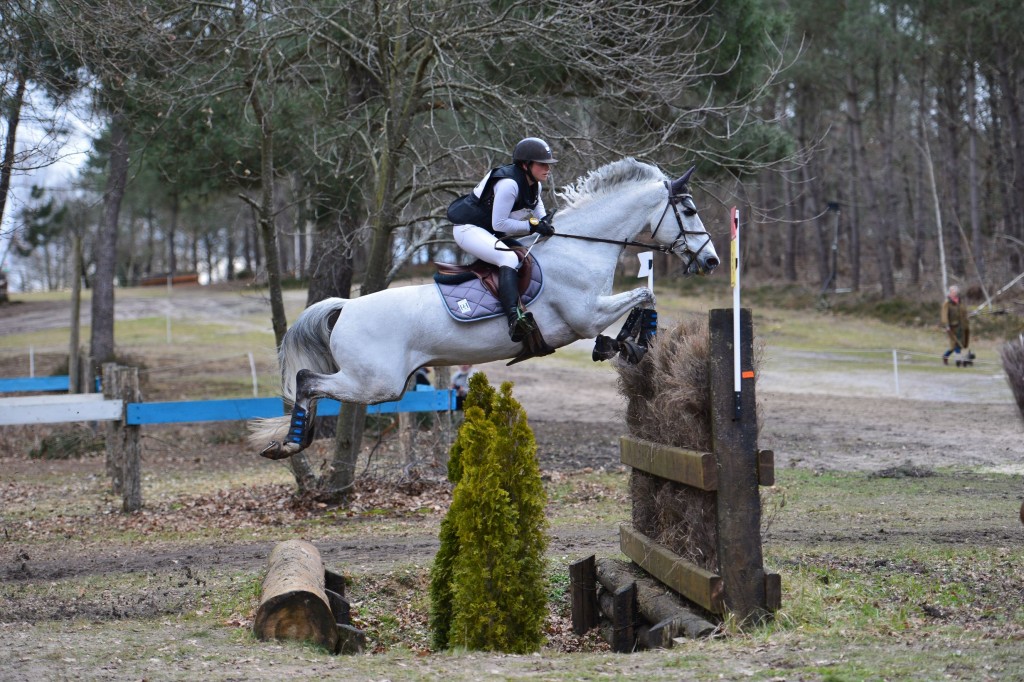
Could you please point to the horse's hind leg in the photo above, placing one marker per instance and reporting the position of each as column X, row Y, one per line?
column 300, row 429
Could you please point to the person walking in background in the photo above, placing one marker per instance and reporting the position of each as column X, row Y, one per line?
column 460, row 384
column 954, row 321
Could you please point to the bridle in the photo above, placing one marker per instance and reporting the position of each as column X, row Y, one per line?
column 675, row 200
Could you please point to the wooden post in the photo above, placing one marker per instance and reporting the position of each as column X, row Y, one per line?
column 86, row 374
column 113, row 429
column 131, row 451
column 583, row 594
column 741, row 564
column 624, row 619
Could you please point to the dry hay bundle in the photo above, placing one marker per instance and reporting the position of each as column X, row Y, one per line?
column 1012, row 354
column 668, row 402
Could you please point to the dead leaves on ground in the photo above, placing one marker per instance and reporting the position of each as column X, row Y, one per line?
column 246, row 507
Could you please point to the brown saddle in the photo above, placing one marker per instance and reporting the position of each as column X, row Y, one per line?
column 488, row 273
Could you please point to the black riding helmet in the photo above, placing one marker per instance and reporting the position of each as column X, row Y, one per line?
column 533, row 149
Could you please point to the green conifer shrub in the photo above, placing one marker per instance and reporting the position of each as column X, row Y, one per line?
column 488, row 589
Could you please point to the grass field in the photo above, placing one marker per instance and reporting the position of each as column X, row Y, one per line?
column 885, row 576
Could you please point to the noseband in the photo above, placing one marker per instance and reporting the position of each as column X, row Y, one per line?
column 685, row 200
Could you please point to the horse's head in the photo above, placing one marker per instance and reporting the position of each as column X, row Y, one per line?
column 687, row 238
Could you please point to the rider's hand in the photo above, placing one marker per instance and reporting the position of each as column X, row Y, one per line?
column 544, row 226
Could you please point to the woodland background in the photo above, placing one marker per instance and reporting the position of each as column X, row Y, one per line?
column 872, row 146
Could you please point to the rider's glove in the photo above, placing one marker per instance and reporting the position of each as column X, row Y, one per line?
column 543, row 226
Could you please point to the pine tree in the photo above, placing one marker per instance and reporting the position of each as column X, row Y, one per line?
column 488, row 587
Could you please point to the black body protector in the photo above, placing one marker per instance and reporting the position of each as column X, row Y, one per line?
column 472, row 210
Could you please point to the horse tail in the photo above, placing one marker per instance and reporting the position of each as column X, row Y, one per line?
column 306, row 345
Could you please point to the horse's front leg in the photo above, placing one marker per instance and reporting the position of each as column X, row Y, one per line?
column 608, row 309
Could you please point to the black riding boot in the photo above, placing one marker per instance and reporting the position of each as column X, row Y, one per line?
column 508, row 295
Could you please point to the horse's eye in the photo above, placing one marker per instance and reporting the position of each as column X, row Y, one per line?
column 689, row 211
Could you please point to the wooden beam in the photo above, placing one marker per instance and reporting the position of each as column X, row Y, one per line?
column 697, row 469
column 16, row 384
column 669, row 614
column 250, row 408
column 700, row 586
column 55, row 409
column 740, row 561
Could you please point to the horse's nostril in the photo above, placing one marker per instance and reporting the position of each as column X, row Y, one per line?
column 711, row 263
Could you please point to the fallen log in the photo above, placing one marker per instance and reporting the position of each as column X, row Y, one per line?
column 668, row 615
column 294, row 603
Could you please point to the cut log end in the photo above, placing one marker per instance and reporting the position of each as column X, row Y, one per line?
column 299, row 616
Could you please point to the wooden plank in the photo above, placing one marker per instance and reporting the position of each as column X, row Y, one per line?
column 73, row 408
column 740, row 562
column 15, row 384
column 61, row 399
column 583, row 594
column 697, row 469
column 251, row 408
column 700, row 586
column 202, row 410
column 766, row 467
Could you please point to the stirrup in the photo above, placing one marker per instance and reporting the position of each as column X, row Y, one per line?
column 521, row 327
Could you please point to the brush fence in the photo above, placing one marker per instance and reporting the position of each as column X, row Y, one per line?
column 658, row 595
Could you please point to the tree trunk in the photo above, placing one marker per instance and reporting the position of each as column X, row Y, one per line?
column 101, row 347
column 793, row 223
column 948, row 100
column 267, row 227
column 74, row 371
column 853, row 124
column 294, row 604
column 330, row 268
column 13, row 111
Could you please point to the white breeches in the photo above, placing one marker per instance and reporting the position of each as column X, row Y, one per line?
column 479, row 242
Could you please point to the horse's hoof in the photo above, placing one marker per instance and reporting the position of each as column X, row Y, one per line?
column 275, row 451
column 633, row 353
column 605, row 348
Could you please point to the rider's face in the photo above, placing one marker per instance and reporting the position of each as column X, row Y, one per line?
column 541, row 171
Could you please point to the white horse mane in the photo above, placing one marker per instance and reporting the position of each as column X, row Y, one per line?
column 607, row 178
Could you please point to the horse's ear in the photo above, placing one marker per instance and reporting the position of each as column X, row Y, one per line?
column 679, row 186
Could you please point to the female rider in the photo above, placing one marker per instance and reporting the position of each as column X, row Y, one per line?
column 506, row 203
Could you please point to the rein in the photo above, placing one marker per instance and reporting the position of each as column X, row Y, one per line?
column 623, row 242
column 674, row 200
